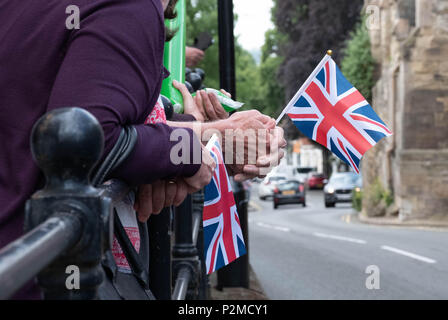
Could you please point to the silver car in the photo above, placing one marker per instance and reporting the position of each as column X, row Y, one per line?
column 266, row 188
column 340, row 188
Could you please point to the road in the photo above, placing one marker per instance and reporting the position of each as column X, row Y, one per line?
column 319, row 253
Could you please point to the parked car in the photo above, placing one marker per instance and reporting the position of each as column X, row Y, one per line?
column 316, row 180
column 291, row 191
column 302, row 173
column 266, row 188
column 340, row 188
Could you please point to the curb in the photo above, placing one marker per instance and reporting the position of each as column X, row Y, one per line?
column 255, row 291
column 396, row 222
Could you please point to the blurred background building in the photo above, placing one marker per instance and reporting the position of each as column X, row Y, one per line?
column 410, row 169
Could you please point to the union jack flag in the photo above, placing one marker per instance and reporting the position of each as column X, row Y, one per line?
column 330, row 111
column 223, row 238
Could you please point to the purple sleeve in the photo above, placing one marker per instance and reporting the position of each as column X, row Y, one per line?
column 182, row 117
column 113, row 68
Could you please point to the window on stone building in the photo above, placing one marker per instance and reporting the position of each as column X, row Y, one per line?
column 406, row 10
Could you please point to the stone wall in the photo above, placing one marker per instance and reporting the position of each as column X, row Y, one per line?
column 410, row 46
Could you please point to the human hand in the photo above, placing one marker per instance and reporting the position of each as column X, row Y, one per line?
column 152, row 198
column 267, row 162
column 204, row 175
column 190, row 106
column 261, row 144
column 193, row 56
column 209, row 105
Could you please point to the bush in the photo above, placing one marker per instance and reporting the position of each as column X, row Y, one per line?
column 358, row 64
column 357, row 200
column 377, row 199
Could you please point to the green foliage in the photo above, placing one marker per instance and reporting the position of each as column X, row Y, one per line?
column 377, row 194
column 357, row 200
column 358, row 64
column 256, row 85
column 203, row 16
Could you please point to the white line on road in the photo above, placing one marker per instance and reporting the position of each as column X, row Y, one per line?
column 329, row 236
column 270, row 226
column 408, row 254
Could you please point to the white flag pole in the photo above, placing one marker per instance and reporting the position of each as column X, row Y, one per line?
column 305, row 85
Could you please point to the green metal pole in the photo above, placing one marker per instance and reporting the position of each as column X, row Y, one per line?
column 174, row 57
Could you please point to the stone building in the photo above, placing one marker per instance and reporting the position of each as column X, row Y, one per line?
column 410, row 44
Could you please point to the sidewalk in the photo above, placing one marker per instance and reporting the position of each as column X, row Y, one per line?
column 254, row 293
column 395, row 221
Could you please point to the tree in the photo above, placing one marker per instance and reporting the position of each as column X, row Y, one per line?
column 308, row 28
column 256, row 86
column 358, row 64
column 203, row 16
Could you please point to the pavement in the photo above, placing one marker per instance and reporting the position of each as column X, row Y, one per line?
column 254, row 292
column 327, row 253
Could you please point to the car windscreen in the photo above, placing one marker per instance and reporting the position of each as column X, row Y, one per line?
column 275, row 179
column 290, row 185
column 344, row 179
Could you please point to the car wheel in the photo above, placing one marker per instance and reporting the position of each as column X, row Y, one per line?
column 329, row 204
column 262, row 198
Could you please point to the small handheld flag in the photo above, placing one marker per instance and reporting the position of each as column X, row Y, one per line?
column 223, row 237
column 330, row 111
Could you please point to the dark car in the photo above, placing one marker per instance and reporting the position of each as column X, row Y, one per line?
column 291, row 191
column 340, row 188
column 316, row 180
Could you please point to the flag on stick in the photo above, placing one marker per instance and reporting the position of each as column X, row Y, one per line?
column 330, row 111
column 223, row 237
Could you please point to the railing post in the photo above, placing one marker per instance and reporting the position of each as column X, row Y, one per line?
column 237, row 273
column 66, row 144
column 160, row 254
column 198, row 238
column 186, row 264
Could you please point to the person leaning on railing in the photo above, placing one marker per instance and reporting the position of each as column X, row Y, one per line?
column 111, row 66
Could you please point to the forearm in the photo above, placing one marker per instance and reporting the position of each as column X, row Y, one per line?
column 204, row 130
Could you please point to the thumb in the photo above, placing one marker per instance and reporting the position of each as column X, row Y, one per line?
column 182, row 88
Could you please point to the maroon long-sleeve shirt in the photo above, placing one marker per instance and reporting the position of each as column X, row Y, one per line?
column 111, row 66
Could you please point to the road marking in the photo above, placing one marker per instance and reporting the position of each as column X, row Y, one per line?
column 408, row 254
column 270, row 226
column 255, row 205
column 346, row 218
column 329, row 236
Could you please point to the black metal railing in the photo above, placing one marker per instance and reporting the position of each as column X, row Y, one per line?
column 70, row 223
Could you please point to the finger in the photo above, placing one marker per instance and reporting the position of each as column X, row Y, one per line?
column 145, row 208
column 170, row 193
column 226, row 93
column 240, row 177
column 158, row 196
column 251, row 170
column 181, row 192
column 199, row 103
column 183, row 89
column 219, row 110
column 272, row 159
column 267, row 121
column 278, row 135
column 208, row 106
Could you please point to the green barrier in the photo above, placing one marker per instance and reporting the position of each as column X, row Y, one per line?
column 174, row 58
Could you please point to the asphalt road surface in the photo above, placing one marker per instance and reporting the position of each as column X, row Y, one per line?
column 319, row 253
